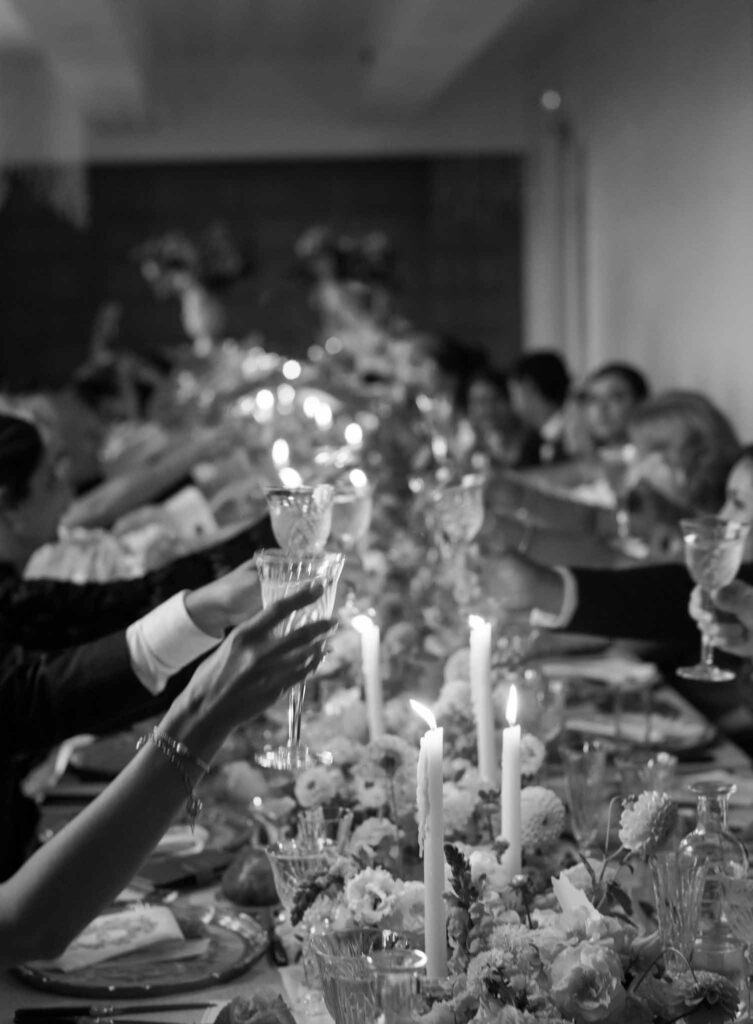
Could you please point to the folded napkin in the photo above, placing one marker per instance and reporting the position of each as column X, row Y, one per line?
column 613, row 669
column 115, row 935
column 656, row 730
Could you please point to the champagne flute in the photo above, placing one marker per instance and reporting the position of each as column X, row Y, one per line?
column 713, row 553
column 616, row 461
column 281, row 575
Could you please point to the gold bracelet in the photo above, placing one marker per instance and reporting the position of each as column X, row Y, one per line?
column 181, row 758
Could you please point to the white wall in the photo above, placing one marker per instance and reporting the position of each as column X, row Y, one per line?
column 659, row 100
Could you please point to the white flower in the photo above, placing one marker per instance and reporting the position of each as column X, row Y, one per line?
column 372, row 834
column 647, row 823
column 371, row 895
column 344, row 750
column 408, row 911
column 318, row 785
column 370, row 793
column 458, row 809
column 542, row 815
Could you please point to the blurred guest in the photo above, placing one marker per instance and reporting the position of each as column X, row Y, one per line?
column 539, row 384
column 685, row 449
column 609, row 396
column 45, row 614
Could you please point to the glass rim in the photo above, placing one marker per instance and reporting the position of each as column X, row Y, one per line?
column 699, row 524
column 290, row 848
column 278, row 556
column 302, row 489
column 418, row 957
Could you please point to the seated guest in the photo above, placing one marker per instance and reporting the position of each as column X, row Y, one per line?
column 645, row 603
column 539, row 384
column 47, row 614
column 608, row 398
column 81, row 869
column 103, row 685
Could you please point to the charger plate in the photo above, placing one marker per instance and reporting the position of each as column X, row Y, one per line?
column 236, row 942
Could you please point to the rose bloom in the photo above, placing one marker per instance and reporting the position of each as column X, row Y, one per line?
column 586, row 983
column 369, row 793
column 371, row 895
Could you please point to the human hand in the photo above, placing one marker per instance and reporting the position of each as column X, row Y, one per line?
column 728, row 624
column 250, row 670
column 227, row 601
column 520, row 584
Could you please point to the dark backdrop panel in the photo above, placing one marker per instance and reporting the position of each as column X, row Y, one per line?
column 455, row 224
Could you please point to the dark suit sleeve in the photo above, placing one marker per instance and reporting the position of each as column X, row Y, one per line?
column 44, row 698
column 49, row 614
column 647, row 603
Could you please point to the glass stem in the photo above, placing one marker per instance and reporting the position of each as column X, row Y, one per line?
column 295, row 706
column 707, row 648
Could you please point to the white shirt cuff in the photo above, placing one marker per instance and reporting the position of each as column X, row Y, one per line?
column 562, row 618
column 164, row 641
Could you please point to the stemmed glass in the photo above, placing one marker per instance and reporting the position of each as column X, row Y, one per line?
column 585, row 764
column 458, row 515
column 616, row 462
column 301, row 517
column 351, row 510
column 713, row 553
column 281, row 575
column 737, row 903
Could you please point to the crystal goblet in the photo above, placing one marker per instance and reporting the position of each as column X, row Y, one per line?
column 294, row 862
column 351, row 513
column 713, row 553
column 584, row 763
column 457, row 515
column 678, row 888
column 281, row 575
column 737, row 903
column 301, row 517
column 348, row 979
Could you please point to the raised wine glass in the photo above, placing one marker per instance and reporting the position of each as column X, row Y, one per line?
column 457, row 515
column 281, row 575
column 301, row 517
column 616, row 462
column 713, row 553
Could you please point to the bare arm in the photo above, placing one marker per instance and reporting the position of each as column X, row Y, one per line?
column 54, row 895
column 112, row 499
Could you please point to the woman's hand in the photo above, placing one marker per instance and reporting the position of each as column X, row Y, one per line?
column 227, row 601
column 248, row 672
column 729, row 624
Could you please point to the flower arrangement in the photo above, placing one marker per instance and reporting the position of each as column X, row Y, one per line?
column 322, row 254
column 174, row 262
column 553, row 944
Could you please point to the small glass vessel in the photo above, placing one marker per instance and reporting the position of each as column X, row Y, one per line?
column 716, row 946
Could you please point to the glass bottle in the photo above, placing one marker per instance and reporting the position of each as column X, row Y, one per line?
column 710, row 843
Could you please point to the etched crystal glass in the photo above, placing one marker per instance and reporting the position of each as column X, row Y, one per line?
column 301, row 517
column 293, row 862
column 348, row 978
column 281, row 575
column 678, row 889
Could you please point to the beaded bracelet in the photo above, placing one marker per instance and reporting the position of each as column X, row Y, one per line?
column 180, row 757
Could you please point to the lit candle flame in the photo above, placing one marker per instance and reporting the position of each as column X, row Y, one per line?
column 354, row 434
column 511, row 712
column 290, row 477
column 291, row 369
column 476, row 622
column 358, row 478
column 265, row 400
column 280, row 452
column 423, row 712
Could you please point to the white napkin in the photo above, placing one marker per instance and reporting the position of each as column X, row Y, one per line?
column 613, row 669
column 114, row 935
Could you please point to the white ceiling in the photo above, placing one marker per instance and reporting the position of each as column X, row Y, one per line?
column 114, row 54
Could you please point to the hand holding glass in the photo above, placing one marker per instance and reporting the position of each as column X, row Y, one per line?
column 713, row 553
column 281, row 575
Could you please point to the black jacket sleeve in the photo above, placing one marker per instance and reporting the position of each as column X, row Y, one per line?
column 44, row 698
column 646, row 603
column 49, row 614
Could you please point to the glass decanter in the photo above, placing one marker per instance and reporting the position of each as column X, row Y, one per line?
column 716, row 947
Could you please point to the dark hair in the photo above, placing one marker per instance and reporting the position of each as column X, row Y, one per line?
column 547, row 372
column 630, row 375
column 21, row 450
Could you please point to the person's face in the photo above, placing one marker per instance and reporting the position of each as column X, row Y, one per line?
column 738, row 504
column 483, row 401
column 525, row 402
column 607, row 404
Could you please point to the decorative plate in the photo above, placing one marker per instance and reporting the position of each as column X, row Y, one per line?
column 236, row 941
